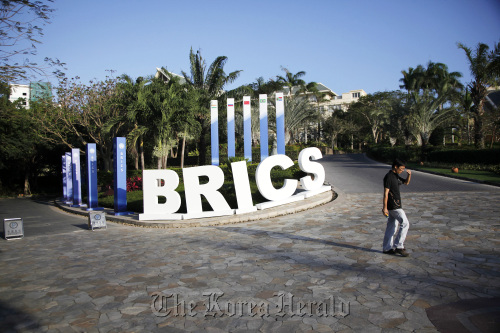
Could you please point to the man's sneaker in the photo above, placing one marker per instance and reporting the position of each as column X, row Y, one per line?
column 391, row 251
column 402, row 252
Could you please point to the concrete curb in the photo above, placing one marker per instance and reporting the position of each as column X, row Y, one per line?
column 133, row 219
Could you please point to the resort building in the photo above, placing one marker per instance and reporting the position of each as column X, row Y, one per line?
column 20, row 91
column 35, row 91
column 330, row 101
column 342, row 102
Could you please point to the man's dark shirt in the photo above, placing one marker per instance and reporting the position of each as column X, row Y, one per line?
column 392, row 181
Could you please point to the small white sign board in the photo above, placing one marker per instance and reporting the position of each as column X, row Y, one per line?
column 13, row 228
column 97, row 219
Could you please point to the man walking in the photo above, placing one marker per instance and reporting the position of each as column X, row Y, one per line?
column 397, row 222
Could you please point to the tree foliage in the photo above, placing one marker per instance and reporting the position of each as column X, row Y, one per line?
column 209, row 84
column 21, row 29
column 485, row 69
column 83, row 113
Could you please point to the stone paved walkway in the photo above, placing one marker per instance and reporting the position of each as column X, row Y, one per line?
column 105, row 280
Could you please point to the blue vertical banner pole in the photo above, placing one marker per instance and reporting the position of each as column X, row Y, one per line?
column 247, row 128
column 69, row 179
column 120, row 176
column 214, row 131
column 77, row 178
column 280, row 124
column 264, row 146
column 64, row 180
column 92, row 199
column 231, row 141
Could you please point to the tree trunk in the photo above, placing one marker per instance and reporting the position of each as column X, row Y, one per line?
column 141, row 150
column 375, row 135
column 135, row 153
column 183, row 147
column 27, row 190
column 478, row 132
column 202, row 146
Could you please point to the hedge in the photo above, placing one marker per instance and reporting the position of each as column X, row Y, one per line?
column 436, row 154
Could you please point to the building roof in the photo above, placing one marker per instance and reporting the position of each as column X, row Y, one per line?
column 321, row 88
column 493, row 100
column 161, row 72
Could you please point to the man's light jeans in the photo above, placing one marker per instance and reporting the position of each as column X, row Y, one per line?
column 397, row 221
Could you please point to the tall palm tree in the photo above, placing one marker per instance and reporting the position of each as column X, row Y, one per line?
column 485, row 69
column 210, row 84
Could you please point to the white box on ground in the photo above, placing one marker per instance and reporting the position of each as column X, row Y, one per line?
column 97, row 219
column 13, row 228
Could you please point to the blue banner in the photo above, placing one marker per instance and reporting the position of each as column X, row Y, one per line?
column 214, row 132
column 69, row 180
column 64, row 180
column 280, row 123
column 264, row 148
column 120, row 176
column 231, row 141
column 247, row 128
column 91, row 152
column 77, row 178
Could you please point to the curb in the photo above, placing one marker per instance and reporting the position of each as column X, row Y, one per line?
column 133, row 219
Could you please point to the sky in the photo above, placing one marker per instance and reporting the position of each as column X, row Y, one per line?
column 345, row 45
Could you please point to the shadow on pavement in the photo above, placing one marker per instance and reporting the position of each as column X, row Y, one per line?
column 84, row 226
column 274, row 234
column 15, row 320
column 468, row 315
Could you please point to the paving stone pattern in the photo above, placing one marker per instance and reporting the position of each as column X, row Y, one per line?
column 105, row 280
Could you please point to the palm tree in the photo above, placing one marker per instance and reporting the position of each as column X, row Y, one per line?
column 298, row 112
column 312, row 89
column 128, row 93
column 291, row 80
column 427, row 112
column 485, row 69
column 413, row 78
column 466, row 106
column 209, row 84
column 432, row 77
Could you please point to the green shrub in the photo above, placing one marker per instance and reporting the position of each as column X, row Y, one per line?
column 471, row 156
column 465, row 157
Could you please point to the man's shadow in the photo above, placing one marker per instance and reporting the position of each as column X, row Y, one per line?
column 274, row 234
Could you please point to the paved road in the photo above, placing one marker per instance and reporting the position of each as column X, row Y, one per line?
column 40, row 217
column 355, row 173
column 64, row 278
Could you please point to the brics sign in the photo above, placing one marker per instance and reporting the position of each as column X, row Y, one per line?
column 161, row 201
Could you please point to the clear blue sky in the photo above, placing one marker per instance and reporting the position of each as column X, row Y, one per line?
column 344, row 44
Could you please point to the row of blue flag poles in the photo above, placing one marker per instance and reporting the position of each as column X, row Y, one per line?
column 72, row 184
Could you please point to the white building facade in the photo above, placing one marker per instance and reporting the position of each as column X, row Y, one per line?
column 20, row 91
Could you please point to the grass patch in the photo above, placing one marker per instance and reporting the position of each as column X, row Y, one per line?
column 481, row 175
